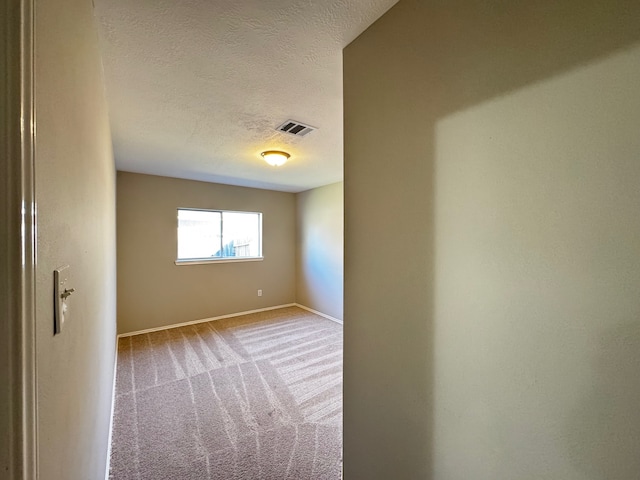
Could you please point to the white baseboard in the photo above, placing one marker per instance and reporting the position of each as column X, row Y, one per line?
column 113, row 410
column 329, row 317
column 195, row 322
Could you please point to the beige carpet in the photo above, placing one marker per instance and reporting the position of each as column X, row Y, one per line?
column 251, row 397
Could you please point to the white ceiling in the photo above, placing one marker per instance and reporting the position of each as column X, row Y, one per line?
column 196, row 88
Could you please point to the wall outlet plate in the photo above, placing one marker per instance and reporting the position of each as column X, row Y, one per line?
column 60, row 286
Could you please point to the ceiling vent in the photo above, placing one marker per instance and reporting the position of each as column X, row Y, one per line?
column 293, row 127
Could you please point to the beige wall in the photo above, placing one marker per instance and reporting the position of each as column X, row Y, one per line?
column 319, row 249
column 492, row 242
column 75, row 192
column 154, row 292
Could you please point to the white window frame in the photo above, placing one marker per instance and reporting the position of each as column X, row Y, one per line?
column 207, row 260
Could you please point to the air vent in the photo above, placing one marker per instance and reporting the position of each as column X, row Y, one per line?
column 293, row 127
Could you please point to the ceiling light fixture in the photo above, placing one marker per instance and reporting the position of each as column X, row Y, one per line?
column 275, row 158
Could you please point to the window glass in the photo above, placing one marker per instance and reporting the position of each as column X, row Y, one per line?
column 217, row 234
column 241, row 234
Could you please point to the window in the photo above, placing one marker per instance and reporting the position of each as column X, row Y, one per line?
column 218, row 235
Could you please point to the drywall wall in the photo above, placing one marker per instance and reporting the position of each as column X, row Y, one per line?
column 319, row 249
column 75, row 193
column 492, row 242
column 154, row 292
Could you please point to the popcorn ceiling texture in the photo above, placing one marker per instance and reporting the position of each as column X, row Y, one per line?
column 196, row 88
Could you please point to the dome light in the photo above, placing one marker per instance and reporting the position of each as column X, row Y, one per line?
column 275, row 158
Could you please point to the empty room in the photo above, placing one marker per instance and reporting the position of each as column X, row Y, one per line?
column 255, row 392
column 226, row 122
column 305, row 239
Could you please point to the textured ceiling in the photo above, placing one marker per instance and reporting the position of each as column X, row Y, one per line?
column 196, row 87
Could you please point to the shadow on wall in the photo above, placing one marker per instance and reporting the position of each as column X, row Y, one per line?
column 614, row 430
column 419, row 64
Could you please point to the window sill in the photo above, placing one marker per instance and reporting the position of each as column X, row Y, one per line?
column 203, row 261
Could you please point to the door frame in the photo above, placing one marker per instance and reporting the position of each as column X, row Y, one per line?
column 18, row 417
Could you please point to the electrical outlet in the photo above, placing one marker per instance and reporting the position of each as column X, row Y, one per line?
column 259, row 293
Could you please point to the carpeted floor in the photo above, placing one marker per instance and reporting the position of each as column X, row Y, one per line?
column 251, row 397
